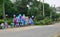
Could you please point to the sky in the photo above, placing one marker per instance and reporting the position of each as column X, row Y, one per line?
column 52, row 2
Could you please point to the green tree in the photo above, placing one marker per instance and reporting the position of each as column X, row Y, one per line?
column 21, row 6
column 10, row 8
column 0, row 8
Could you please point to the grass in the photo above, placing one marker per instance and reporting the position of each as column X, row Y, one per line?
column 58, row 36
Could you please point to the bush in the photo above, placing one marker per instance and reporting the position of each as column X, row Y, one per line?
column 36, row 22
column 1, row 21
column 45, row 21
column 8, row 21
column 38, row 17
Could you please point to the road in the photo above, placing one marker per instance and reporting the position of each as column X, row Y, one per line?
column 39, row 31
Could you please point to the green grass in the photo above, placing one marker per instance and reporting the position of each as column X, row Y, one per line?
column 58, row 36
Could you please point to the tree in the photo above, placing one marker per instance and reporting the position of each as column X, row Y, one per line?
column 1, row 9
column 47, row 10
column 21, row 7
column 34, row 7
column 9, row 8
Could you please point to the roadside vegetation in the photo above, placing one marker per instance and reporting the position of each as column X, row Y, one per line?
column 30, row 8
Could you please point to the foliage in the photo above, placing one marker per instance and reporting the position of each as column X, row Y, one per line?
column 45, row 21
column 8, row 21
column 1, row 21
column 35, row 9
column 20, row 7
column 0, row 9
column 10, row 8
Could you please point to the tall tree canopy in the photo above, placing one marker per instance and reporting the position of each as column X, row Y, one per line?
column 27, row 7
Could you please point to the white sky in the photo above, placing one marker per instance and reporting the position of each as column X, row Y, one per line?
column 52, row 2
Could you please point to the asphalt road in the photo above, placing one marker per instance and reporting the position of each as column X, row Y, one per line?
column 40, row 31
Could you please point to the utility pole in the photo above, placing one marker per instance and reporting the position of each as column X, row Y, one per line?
column 43, row 9
column 4, row 11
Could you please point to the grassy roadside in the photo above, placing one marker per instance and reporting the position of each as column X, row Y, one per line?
column 57, row 35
